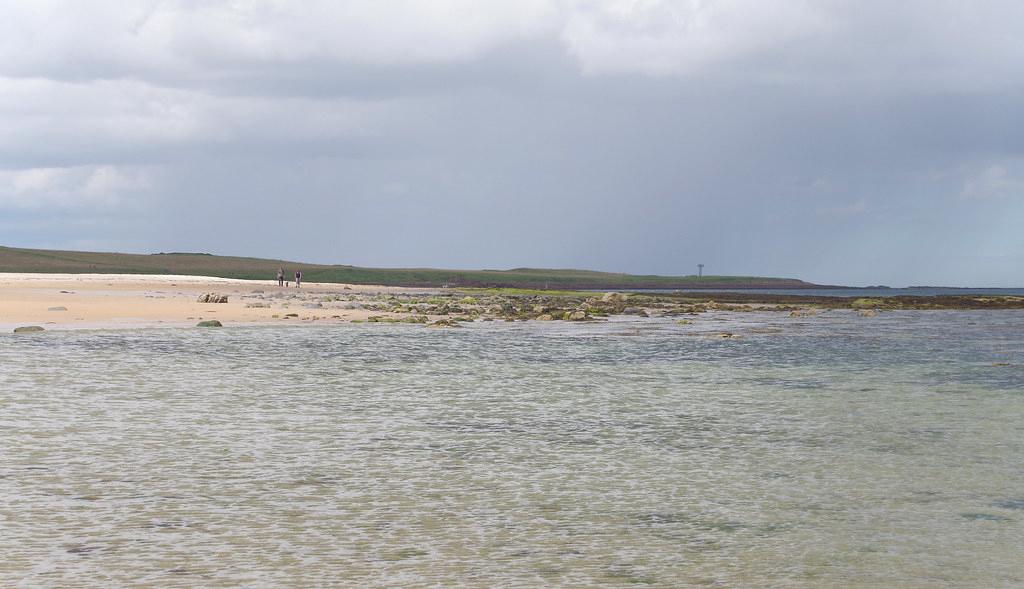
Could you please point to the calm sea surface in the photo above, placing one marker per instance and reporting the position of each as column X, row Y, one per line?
column 829, row 451
column 914, row 291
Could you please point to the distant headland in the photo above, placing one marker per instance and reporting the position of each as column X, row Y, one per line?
column 204, row 264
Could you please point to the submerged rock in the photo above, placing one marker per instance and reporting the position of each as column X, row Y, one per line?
column 445, row 323
column 28, row 329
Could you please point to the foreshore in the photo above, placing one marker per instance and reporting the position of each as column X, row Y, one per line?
column 129, row 300
column 70, row 301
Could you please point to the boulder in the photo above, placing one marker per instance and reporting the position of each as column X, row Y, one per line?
column 613, row 297
column 212, row 297
column 28, row 329
column 576, row 316
column 867, row 312
column 545, row 317
column 209, row 323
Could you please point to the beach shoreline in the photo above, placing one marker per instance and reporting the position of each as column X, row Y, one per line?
column 119, row 301
column 95, row 301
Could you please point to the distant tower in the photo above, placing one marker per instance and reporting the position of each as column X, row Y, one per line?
column 700, row 270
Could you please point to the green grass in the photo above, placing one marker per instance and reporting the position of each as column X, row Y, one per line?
column 528, row 291
column 526, row 280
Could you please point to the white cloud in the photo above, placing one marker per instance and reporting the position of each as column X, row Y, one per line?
column 111, row 39
column 995, row 181
column 661, row 37
column 118, row 121
column 215, row 42
column 72, row 187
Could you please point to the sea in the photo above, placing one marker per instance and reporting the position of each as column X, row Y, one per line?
column 737, row 450
column 868, row 291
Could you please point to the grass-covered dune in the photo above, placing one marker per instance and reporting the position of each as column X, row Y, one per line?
column 201, row 264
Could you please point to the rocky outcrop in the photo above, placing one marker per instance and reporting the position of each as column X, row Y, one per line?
column 28, row 329
column 209, row 323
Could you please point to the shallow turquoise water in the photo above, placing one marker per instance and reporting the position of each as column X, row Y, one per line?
column 829, row 451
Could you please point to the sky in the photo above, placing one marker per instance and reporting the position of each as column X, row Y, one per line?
column 856, row 142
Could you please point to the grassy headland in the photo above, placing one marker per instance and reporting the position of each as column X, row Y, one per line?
column 201, row 264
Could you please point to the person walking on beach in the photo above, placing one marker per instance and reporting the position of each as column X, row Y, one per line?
column 298, row 278
column 280, row 276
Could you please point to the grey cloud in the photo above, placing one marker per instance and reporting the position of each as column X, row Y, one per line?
column 838, row 142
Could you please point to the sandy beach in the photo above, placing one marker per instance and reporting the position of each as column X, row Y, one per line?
column 69, row 301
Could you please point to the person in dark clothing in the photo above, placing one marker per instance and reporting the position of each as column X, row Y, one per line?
column 298, row 278
column 280, row 276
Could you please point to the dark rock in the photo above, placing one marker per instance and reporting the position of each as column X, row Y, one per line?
column 444, row 323
column 28, row 329
column 212, row 297
column 209, row 323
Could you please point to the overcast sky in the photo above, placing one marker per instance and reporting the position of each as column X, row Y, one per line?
column 853, row 142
